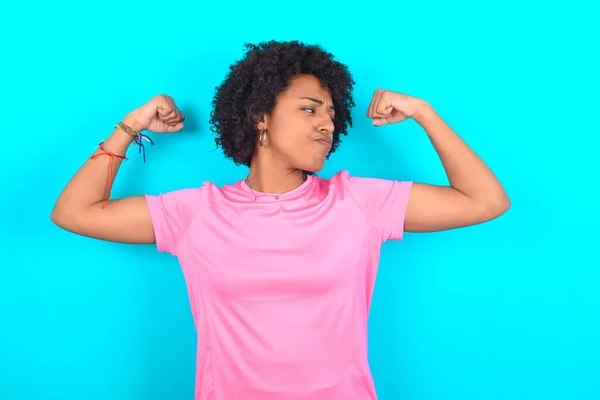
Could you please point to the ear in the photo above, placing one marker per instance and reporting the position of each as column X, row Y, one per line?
column 260, row 122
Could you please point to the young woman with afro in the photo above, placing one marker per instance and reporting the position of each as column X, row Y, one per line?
column 280, row 266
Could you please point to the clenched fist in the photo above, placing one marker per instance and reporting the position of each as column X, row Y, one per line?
column 159, row 115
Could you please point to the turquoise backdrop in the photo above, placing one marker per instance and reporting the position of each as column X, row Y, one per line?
column 507, row 310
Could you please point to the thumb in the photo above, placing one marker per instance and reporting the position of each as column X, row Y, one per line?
column 175, row 128
column 382, row 121
column 391, row 119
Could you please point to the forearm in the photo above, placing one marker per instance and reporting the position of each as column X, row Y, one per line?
column 466, row 171
column 89, row 186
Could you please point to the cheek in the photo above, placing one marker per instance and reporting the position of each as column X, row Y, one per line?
column 292, row 136
column 294, row 139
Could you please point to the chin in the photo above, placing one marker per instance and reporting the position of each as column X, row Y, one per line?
column 313, row 167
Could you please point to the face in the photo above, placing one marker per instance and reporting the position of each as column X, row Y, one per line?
column 300, row 128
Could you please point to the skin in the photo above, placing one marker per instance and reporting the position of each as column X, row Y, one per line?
column 299, row 134
column 298, row 137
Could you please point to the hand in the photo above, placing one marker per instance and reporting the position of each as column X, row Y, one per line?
column 159, row 115
column 389, row 107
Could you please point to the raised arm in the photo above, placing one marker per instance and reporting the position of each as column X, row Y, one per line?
column 84, row 207
column 474, row 195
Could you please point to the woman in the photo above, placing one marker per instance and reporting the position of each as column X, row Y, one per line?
column 280, row 266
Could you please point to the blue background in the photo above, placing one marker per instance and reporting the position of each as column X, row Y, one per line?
column 505, row 310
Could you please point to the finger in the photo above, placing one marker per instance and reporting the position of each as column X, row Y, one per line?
column 379, row 121
column 162, row 105
column 167, row 116
column 167, row 108
column 172, row 121
column 173, row 106
column 373, row 111
column 174, row 117
column 374, row 103
column 180, row 115
column 383, row 108
column 168, row 112
column 378, row 106
column 369, row 108
column 383, row 111
column 177, row 112
column 164, row 110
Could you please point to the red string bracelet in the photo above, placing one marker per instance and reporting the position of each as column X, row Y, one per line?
column 110, row 166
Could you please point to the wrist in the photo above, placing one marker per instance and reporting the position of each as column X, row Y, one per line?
column 423, row 111
column 133, row 123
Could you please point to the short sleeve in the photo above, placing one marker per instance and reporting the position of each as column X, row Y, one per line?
column 383, row 202
column 171, row 214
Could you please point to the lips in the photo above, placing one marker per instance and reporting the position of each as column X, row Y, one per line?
column 325, row 141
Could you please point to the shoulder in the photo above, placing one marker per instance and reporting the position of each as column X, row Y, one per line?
column 383, row 202
column 360, row 184
column 207, row 188
column 340, row 180
column 180, row 202
column 184, row 195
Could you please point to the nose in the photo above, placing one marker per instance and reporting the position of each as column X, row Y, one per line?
column 326, row 125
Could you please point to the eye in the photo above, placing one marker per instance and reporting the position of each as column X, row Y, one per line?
column 312, row 111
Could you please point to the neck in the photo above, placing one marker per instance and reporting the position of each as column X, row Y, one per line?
column 273, row 179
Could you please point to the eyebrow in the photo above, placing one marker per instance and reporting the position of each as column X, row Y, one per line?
column 319, row 102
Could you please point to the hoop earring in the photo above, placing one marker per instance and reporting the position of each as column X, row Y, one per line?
column 263, row 136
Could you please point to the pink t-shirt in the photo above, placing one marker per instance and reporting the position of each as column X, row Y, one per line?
column 280, row 287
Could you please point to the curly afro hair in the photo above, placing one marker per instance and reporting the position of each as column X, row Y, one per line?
column 254, row 82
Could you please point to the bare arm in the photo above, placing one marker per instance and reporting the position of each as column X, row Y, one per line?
column 474, row 196
column 81, row 207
